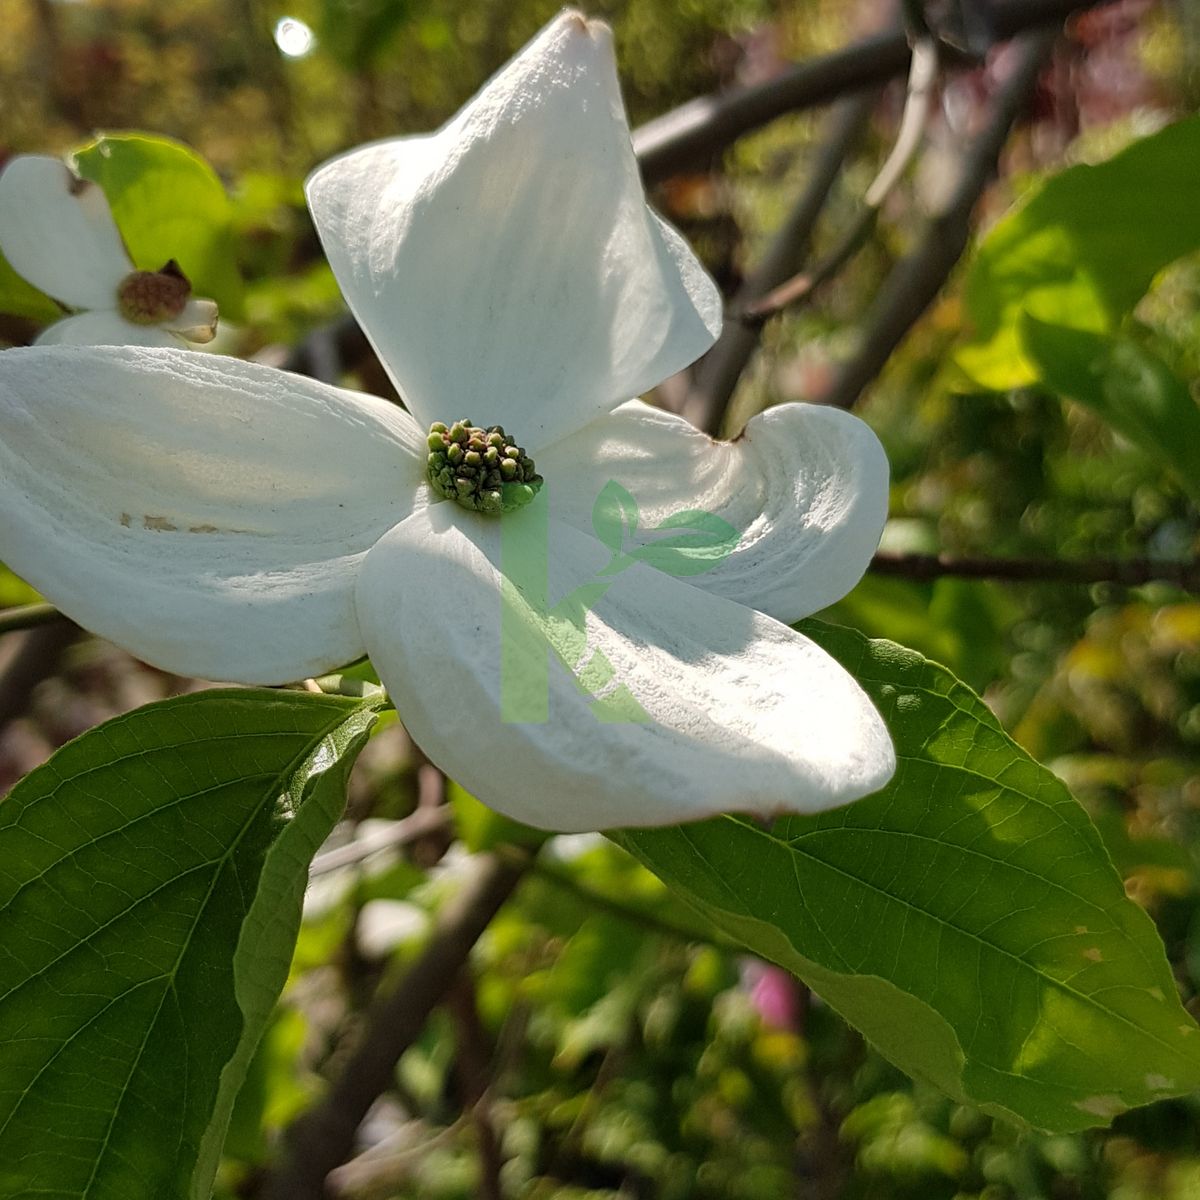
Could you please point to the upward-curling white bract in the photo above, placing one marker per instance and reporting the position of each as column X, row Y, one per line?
column 222, row 519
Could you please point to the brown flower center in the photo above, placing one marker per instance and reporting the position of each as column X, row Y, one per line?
column 152, row 297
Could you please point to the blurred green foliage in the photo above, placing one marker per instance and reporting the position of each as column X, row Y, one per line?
column 1082, row 250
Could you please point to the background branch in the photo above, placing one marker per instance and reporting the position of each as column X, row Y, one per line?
column 323, row 1137
column 800, row 288
column 635, row 916
column 418, row 824
column 473, row 1066
column 28, row 616
column 720, row 369
column 688, row 136
column 916, row 280
column 1129, row 572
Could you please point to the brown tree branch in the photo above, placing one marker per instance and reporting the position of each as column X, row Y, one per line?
column 916, row 280
column 420, row 823
column 688, row 136
column 473, row 1066
column 323, row 1137
column 1128, row 572
column 800, row 288
column 718, row 372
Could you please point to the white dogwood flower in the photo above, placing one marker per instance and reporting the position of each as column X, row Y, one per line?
column 223, row 519
column 57, row 232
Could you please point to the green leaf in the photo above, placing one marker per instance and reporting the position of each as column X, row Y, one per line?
column 1132, row 389
column 958, row 622
column 168, row 203
column 14, row 590
column 23, row 299
column 966, row 918
column 614, row 515
column 151, row 878
column 275, row 1091
column 1082, row 250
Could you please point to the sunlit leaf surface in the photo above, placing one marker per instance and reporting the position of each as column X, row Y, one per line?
column 168, row 204
column 151, row 875
column 1082, row 250
column 967, row 918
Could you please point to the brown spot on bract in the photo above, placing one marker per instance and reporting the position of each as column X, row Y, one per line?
column 125, row 519
column 203, row 529
column 160, row 524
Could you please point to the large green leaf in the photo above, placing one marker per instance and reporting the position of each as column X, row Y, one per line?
column 1131, row 388
column 23, row 299
column 168, row 203
column 1082, row 250
column 967, row 918
column 151, row 878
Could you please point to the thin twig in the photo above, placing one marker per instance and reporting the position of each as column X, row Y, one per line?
column 823, row 1159
column 394, row 1159
column 418, row 824
column 718, row 372
column 569, row 1154
column 1128, row 572
column 27, row 616
column 922, row 75
column 916, row 280
column 797, row 290
column 324, row 1136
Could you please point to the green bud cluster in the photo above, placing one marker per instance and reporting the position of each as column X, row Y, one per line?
column 481, row 469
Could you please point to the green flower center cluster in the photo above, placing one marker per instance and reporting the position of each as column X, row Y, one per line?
column 150, row 297
column 481, row 469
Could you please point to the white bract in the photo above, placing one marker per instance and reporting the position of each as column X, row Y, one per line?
column 57, row 232
column 223, row 519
